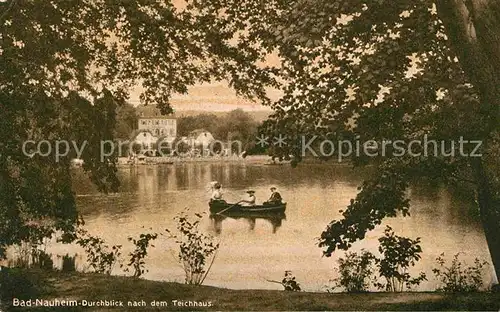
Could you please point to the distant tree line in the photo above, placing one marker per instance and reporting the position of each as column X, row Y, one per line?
column 236, row 125
column 126, row 121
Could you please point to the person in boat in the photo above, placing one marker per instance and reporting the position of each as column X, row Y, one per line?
column 250, row 200
column 217, row 193
column 275, row 197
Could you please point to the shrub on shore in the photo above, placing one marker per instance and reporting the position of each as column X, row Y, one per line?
column 398, row 254
column 197, row 250
column 458, row 277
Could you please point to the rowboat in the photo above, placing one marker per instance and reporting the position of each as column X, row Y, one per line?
column 223, row 207
column 249, row 215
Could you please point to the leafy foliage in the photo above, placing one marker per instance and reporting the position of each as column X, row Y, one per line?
column 457, row 277
column 398, row 255
column 367, row 210
column 100, row 256
column 186, row 124
column 359, row 72
column 235, row 125
column 65, row 67
column 126, row 121
column 196, row 249
column 356, row 272
column 385, row 71
column 140, row 252
column 347, row 69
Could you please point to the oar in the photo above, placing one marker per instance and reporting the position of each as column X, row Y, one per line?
column 220, row 212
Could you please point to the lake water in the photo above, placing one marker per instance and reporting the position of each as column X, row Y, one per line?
column 255, row 250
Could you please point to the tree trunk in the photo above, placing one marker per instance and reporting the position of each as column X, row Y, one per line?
column 473, row 30
column 490, row 213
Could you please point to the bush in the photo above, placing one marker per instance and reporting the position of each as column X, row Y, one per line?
column 100, row 256
column 140, row 252
column 196, row 249
column 458, row 277
column 399, row 254
column 356, row 272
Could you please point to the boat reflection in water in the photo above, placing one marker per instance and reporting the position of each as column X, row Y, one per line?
column 275, row 219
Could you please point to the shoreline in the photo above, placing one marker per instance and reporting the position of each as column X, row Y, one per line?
column 123, row 161
column 147, row 295
column 253, row 159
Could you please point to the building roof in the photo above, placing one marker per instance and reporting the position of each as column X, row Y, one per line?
column 151, row 111
column 157, row 117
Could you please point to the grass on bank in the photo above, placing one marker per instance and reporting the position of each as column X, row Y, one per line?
column 94, row 287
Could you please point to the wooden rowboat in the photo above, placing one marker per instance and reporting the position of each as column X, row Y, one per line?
column 249, row 215
column 219, row 206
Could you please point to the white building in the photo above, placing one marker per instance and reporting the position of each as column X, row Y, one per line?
column 145, row 138
column 159, row 126
column 153, row 128
column 200, row 137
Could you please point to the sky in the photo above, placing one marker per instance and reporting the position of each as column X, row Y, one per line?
column 217, row 96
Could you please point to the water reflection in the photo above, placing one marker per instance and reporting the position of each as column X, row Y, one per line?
column 275, row 219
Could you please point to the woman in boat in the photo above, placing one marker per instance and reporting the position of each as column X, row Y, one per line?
column 217, row 194
column 250, row 200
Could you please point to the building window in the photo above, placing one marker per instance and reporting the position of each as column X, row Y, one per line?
column 143, row 122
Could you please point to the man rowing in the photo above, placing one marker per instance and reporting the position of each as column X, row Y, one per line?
column 275, row 198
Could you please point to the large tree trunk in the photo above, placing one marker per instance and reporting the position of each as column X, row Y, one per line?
column 473, row 29
column 490, row 213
